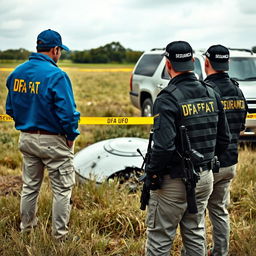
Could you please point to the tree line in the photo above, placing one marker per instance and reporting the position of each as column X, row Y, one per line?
column 14, row 54
column 110, row 53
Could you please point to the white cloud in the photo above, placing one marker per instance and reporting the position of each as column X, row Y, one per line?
column 139, row 25
column 11, row 25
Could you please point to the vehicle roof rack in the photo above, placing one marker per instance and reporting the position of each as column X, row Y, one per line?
column 162, row 49
column 201, row 50
column 242, row 49
column 157, row 49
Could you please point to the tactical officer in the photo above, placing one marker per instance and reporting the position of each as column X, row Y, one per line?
column 216, row 63
column 40, row 100
column 185, row 101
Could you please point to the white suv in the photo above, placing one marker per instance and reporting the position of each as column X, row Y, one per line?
column 150, row 76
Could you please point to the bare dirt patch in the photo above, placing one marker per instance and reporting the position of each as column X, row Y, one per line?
column 10, row 185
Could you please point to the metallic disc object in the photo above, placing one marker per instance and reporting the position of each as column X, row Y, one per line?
column 106, row 158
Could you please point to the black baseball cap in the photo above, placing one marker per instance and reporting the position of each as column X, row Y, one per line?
column 180, row 54
column 218, row 56
column 50, row 38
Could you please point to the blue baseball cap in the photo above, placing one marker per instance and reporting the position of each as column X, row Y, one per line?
column 48, row 39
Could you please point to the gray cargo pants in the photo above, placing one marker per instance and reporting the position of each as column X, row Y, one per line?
column 218, row 212
column 168, row 208
column 50, row 151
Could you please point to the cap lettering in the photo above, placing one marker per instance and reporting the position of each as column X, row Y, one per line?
column 219, row 56
column 181, row 55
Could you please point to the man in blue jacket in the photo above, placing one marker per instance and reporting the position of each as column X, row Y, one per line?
column 41, row 101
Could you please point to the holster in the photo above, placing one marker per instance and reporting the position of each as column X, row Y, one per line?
column 215, row 165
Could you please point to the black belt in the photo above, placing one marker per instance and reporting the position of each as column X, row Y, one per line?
column 204, row 167
column 41, row 132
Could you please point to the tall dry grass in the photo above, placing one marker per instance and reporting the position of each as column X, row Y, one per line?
column 106, row 217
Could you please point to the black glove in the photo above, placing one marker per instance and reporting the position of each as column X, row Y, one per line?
column 153, row 181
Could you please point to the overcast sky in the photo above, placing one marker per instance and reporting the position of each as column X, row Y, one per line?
column 136, row 24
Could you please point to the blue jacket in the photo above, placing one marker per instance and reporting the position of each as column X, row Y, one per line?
column 40, row 97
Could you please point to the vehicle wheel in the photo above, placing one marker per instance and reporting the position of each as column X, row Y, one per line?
column 147, row 107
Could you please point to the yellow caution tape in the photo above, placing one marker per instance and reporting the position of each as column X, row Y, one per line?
column 99, row 69
column 7, row 69
column 251, row 116
column 84, row 69
column 117, row 120
column 5, row 118
column 114, row 120
column 104, row 120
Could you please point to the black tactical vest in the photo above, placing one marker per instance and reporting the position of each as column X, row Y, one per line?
column 235, row 109
column 200, row 117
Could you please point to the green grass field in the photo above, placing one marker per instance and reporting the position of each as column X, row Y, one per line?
column 106, row 217
column 68, row 63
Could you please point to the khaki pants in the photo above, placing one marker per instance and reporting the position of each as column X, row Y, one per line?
column 50, row 151
column 218, row 213
column 168, row 208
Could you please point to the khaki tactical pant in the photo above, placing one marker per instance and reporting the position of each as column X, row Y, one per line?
column 218, row 213
column 50, row 151
column 168, row 208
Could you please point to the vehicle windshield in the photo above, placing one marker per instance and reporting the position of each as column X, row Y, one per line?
column 242, row 69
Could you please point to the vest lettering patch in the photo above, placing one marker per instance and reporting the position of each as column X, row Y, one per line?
column 20, row 85
column 233, row 104
column 197, row 108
